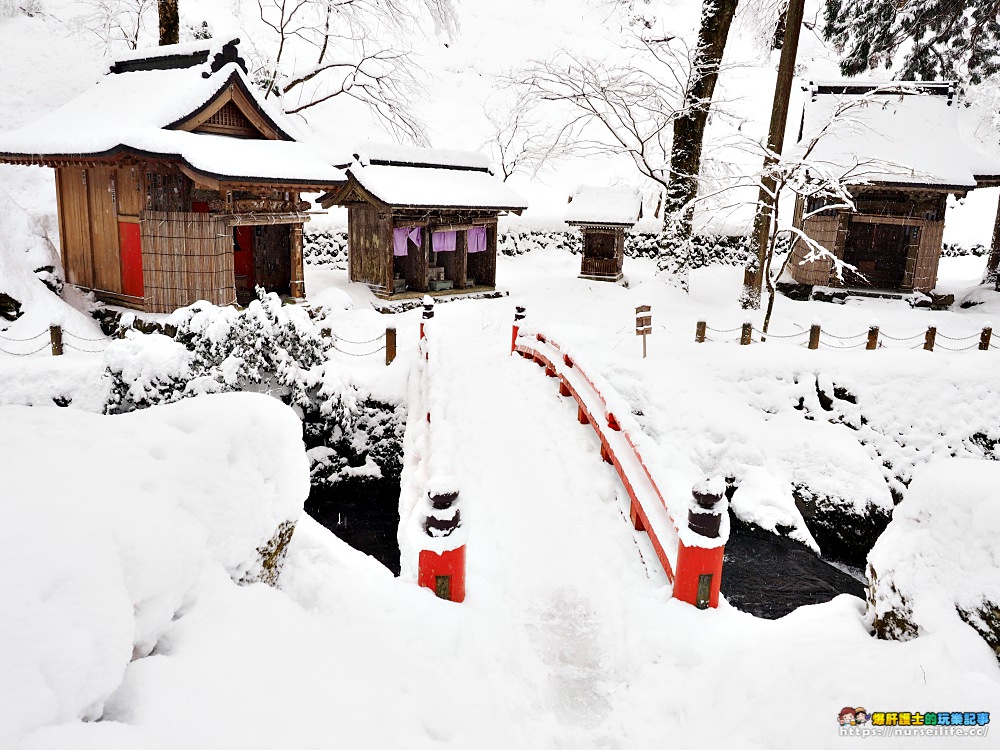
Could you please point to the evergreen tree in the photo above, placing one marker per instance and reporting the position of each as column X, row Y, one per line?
column 937, row 39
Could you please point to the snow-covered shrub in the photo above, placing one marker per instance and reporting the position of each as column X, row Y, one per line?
column 955, row 250
column 936, row 562
column 325, row 248
column 137, row 509
column 269, row 348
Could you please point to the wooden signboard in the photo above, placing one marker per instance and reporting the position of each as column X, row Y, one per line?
column 643, row 324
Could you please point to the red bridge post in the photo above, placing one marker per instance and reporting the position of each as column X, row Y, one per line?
column 699, row 567
column 519, row 312
column 428, row 314
column 443, row 572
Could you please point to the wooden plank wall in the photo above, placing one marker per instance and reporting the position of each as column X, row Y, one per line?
column 369, row 246
column 102, row 197
column 823, row 230
column 74, row 223
column 483, row 266
column 186, row 257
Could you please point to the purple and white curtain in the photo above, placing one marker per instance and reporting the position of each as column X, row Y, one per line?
column 444, row 242
column 399, row 237
column 477, row 240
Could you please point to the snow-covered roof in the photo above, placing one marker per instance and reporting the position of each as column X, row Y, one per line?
column 396, row 155
column 603, row 205
column 895, row 133
column 135, row 111
column 406, row 176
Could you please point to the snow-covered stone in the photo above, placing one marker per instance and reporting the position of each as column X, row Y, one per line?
column 936, row 563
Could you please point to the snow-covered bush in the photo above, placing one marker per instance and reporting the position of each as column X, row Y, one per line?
column 136, row 509
column 325, row 248
column 272, row 348
column 936, row 562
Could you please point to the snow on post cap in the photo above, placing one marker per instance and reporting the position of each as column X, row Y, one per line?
column 715, row 486
column 427, row 300
column 604, row 205
column 415, row 156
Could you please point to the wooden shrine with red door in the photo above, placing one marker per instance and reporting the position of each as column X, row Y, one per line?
column 176, row 181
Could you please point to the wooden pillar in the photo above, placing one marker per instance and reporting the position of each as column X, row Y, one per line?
column 994, row 259
column 298, row 283
column 984, row 338
column 55, row 337
column 699, row 331
column 422, row 260
column 814, row 331
column 390, row 345
column 746, row 334
column 461, row 258
column 929, row 337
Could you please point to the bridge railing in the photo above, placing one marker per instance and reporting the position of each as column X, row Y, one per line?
column 690, row 541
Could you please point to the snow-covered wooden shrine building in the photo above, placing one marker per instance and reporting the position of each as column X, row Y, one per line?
column 603, row 215
column 422, row 220
column 898, row 148
column 176, row 181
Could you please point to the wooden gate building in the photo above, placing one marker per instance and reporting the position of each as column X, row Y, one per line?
column 898, row 148
column 176, row 182
column 603, row 215
column 422, row 220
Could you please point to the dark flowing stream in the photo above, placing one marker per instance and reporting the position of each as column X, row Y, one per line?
column 769, row 575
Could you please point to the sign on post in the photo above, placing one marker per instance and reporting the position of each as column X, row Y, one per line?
column 643, row 324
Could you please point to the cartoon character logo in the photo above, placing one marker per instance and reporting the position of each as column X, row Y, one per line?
column 860, row 715
column 846, row 716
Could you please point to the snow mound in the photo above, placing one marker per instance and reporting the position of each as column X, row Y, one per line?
column 112, row 521
column 937, row 560
column 29, row 272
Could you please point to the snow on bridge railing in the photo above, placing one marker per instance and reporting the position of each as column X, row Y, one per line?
column 690, row 552
column 432, row 542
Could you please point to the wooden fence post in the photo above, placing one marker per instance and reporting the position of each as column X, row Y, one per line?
column 390, row 345
column 929, row 337
column 746, row 335
column 814, row 331
column 984, row 338
column 872, row 337
column 699, row 332
column 55, row 335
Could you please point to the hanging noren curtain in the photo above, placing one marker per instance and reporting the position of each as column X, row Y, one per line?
column 444, row 242
column 477, row 240
column 399, row 237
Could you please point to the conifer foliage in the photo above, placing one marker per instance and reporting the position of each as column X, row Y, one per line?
column 917, row 39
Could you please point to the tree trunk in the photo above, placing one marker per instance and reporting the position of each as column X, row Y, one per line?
column 994, row 260
column 689, row 128
column 762, row 230
column 169, row 22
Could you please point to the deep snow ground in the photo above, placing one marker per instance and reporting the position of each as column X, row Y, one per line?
column 567, row 639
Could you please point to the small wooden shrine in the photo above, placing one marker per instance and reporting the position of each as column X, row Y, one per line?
column 603, row 215
column 176, row 182
column 422, row 220
column 901, row 154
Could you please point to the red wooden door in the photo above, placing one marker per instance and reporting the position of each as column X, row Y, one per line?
column 243, row 257
column 130, row 248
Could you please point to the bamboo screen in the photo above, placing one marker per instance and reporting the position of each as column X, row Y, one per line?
column 186, row 257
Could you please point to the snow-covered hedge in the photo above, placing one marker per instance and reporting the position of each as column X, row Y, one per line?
column 329, row 247
column 936, row 562
column 111, row 521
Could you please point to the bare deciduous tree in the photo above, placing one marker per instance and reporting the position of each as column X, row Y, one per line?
column 323, row 49
column 520, row 143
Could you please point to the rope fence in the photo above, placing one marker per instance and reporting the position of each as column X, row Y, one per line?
column 874, row 338
column 60, row 340
column 56, row 335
